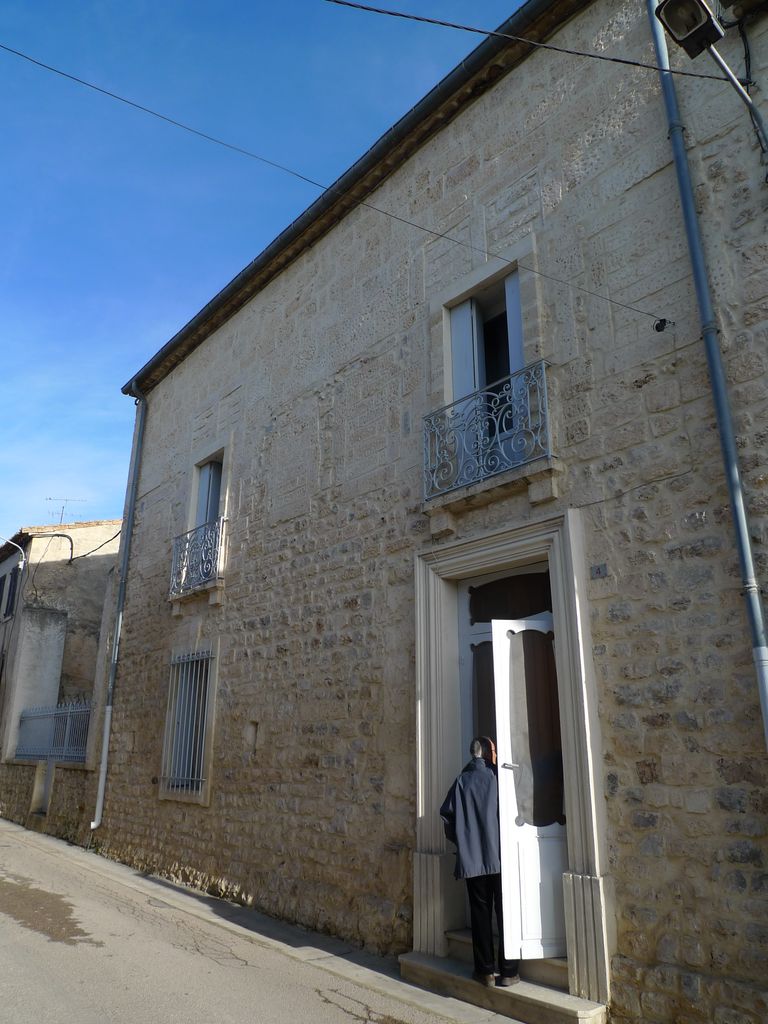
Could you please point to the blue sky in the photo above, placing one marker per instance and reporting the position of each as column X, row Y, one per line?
column 118, row 228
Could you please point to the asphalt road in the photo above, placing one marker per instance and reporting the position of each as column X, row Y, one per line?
column 88, row 941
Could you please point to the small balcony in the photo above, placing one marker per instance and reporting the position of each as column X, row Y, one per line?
column 501, row 427
column 197, row 559
column 54, row 733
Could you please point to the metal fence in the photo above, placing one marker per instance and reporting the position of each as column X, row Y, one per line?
column 196, row 558
column 503, row 426
column 54, row 733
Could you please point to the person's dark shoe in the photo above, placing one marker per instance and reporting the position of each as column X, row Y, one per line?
column 488, row 980
column 509, row 980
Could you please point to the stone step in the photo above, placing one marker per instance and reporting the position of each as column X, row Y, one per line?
column 551, row 971
column 526, row 1002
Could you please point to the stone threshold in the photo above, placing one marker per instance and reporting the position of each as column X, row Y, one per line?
column 526, row 1002
column 549, row 971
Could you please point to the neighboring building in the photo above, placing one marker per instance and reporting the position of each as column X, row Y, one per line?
column 379, row 440
column 50, row 646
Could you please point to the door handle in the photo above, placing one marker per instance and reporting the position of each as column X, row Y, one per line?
column 510, row 766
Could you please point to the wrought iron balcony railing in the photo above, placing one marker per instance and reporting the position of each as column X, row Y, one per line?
column 56, row 734
column 503, row 426
column 197, row 558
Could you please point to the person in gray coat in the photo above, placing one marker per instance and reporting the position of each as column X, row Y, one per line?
column 470, row 814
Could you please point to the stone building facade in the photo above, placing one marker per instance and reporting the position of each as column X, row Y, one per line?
column 53, row 642
column 317, row 662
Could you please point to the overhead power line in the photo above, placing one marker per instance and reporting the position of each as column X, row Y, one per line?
column 159, row 116
column 660, row 322
column 521, row 39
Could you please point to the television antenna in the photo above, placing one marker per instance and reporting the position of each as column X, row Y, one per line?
column 64, row 503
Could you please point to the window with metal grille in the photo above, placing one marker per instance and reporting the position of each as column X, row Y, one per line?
column 185, row 745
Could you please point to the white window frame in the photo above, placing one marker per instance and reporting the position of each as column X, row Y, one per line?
column 468, row 370
column 206, row 513
column 528, row 340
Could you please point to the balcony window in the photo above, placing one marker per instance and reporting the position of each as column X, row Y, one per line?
column 486, row 337
column 497, row 417
column 197, row 554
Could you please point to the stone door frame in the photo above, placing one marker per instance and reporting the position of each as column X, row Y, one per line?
column 438, row 900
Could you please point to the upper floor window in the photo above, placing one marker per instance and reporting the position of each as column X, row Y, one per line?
column 486, row 337
column 497, row 418
column 197, row 554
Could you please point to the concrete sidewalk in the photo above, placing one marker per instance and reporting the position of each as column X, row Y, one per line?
column 339, row 959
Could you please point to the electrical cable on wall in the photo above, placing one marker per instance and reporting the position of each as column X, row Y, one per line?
column 52, row 537
column 93, row 550
column 747, row 81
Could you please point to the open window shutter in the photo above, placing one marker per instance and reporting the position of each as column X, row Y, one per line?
column 466, row 349
column 12, row 584
column 208, row 493
column 214, row 491
column 514, row 323
column 203, row 480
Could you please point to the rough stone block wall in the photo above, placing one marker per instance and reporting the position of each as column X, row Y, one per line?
column 73, row 800
column 315, row 393
column 685, row 762
column 16, row 785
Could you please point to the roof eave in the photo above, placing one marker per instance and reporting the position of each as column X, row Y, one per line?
column 478, row 72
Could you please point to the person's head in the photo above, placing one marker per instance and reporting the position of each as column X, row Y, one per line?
column 483, row 746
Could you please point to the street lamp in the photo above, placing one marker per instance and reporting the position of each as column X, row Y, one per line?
column 23, row 560
column 690, row 23
column 693, row 26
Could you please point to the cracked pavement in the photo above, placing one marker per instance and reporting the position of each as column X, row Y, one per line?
column 86, row 939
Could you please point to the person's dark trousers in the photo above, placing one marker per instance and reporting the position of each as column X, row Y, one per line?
column 485, row 895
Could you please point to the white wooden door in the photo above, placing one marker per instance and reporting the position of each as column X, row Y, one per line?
column 533, row 836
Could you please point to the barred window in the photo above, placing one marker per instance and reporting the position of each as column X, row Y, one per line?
column 185, row 746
